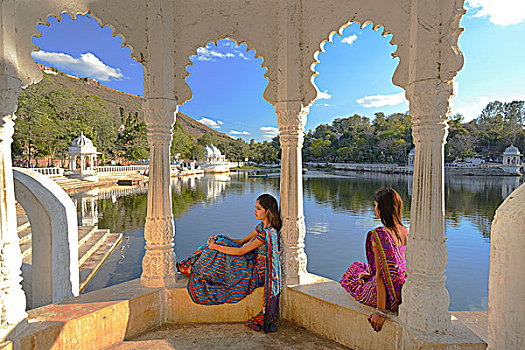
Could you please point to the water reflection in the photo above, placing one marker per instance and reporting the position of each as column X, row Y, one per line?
column 338, row 213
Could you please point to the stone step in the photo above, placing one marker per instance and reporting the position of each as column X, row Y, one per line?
column 26, row 249
column 90, row 266
column 85, row 233
column 22, row 222
column 25, row 241
column 91, row 245
column 95, row 238
column 24, row 236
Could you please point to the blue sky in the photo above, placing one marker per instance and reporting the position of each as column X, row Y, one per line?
column 355, row 71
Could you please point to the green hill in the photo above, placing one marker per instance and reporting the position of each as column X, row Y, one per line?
column 115, row 99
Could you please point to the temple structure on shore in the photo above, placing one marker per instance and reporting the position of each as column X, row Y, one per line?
column 288, row 35
column 214, row 161
column 82, row 159
column 512, row 160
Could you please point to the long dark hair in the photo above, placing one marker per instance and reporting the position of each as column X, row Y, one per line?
column 268, row 202
column 390, row 204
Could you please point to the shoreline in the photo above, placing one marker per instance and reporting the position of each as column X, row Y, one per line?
column 408, row 170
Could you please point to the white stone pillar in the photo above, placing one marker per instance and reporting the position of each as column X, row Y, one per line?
column 425, row 298
column 12, row 298
column 291, row 117
column 159, row 261
column 507, row 275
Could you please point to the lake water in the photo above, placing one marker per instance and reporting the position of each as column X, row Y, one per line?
column 338, row 210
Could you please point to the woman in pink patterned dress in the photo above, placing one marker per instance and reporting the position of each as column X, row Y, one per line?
column 379, row 282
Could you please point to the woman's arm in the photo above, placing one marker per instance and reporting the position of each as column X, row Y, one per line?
column 241, row 241
column 233, row 250
column 375, row 320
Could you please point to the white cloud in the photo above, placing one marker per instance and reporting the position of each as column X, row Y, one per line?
column 269, row 132
column 471, row 108
column 500, row 12
column 88, row 65
column 235, row 132
column 349, row 39
column 216, row 124
column 323, row 95
column 229, row 47
column 202, row 58
column 207, row 54
column 382, row 100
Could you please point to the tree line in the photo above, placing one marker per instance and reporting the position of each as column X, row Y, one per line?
column 49, row 120
column 389, row 138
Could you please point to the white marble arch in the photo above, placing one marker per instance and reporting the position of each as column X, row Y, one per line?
column 163, row 34
column 54, row 270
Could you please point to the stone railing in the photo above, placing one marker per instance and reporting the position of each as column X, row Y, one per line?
column 49, row 171
column 121, row 168
column 380, row 168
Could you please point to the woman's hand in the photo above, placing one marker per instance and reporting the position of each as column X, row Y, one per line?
column 211, row 243
column 376, row 321
column 362, row 277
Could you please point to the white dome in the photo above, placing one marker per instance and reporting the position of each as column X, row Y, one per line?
column 208, row 152
column 216, row 151
column 512, row 151
column 82, row 141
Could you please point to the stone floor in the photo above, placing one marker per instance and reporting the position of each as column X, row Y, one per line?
column 477, row 321
column 233, row 336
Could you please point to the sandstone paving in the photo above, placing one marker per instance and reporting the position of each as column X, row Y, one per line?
column 233, row 336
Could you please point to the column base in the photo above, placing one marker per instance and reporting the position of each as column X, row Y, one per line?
column 158, row 269
column 425, row 307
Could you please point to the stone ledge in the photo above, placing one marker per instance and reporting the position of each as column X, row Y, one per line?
column 181, row 309
column 108, row 316
column 95, row 320
column 324, row 307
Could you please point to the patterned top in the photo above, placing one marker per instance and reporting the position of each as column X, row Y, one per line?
column 261, row 236
column 270, row 250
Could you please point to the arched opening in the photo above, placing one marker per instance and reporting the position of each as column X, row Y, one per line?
column 85, row 71
column 359, row 122
column 227, row 80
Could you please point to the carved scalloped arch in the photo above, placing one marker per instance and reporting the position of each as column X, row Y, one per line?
column 215, row 41
column 250, row 22
column 30, row 19
column 376, row 27
column 392, row 16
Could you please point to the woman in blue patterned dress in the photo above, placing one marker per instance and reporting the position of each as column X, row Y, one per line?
column 226, row 270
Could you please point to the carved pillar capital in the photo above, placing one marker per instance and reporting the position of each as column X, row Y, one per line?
column 159, row 113
column 291, row 114
column 291, row 118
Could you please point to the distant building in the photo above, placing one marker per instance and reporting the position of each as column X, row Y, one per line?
column 214, row 161
column 82, row 159
column 512, row 160
column 212, row 154
column 411, row 157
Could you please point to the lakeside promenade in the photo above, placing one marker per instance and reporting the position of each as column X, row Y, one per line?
column 390, row 168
